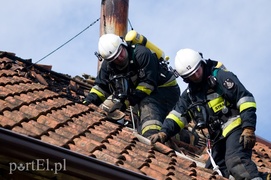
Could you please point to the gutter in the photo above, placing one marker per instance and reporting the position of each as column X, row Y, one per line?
column 27, row 149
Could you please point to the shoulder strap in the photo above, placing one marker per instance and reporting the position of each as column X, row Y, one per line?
column 213, row 81
column 214, row 73
column 131, row 49
column 132, row 59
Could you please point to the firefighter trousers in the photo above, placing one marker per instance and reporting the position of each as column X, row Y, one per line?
column 154, row 108
column 232, row 158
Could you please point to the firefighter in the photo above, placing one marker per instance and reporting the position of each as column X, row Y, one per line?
column 215, row 99
column 147, row 82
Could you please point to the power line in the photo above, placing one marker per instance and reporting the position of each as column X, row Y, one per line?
column 130, row 24
column 68, row 40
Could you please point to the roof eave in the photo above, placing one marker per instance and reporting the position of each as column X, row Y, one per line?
column 28, row 149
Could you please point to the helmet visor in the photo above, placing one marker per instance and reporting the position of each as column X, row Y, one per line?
column 116, row 55
column 192, row 72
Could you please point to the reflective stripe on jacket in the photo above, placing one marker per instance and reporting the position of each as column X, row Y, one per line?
column 228, row 94
column 99, row 92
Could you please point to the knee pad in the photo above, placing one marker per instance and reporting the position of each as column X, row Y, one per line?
column 238, row 170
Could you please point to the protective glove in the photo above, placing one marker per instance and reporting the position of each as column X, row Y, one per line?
column 158, row 137
column 88, row 100
column 248, row 138
column 118, row 105
column 92, row 98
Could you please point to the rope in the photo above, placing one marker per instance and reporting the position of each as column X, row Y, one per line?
column 133, row 119
column 209, row 151
column 130, row 24
column 74, row 38
column 68, row 41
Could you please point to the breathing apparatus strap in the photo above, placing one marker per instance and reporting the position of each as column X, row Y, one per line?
column 131, row 52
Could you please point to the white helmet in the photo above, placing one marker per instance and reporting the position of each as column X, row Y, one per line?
column 109, row 45
column 187, row 62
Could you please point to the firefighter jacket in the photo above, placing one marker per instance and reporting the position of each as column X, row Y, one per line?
column 220, row 101
column 145, row 74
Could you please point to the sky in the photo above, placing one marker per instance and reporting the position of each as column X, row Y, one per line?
column 235, row 32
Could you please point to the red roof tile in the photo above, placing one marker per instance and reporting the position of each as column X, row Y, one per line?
column 33, row 105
